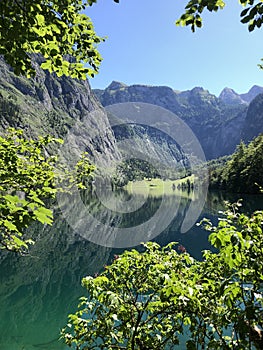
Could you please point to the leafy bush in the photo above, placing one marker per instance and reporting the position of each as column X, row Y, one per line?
column 161, row 298
column 29, row 176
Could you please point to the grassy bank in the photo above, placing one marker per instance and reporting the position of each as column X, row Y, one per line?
column 158, row 187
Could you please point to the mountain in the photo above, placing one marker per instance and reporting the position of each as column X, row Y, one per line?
column 253, row 124
column 218, row 125
column 229, row 96
column 252, row 93
column 68, row 108
column 61, row 107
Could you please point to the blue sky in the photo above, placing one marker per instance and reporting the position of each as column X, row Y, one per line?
column 144, row 46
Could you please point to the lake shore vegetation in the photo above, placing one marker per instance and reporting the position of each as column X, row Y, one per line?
column 162, row 297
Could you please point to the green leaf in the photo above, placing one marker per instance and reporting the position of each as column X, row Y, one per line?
column 44, row 215
column 19, row 243
column 9, row 225
column 46, row 65
column 244, row 12
column 40, row 19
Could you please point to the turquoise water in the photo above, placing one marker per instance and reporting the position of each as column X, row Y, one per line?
column 39, row 290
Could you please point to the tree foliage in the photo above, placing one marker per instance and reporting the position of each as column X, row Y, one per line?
column 251, row 14
column 161, row 298
column 58, row 30
column 243, row 171
column 65, row 36
column 134, row 169
column 28, row 177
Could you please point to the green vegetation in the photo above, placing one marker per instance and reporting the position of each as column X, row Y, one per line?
column 58, row 30
column 251, row 15
column 145, row 300
column 243, row 171
column 65, row 37
column 9, row 108
column 28, row 177
column 134, row 169
column 160, row 298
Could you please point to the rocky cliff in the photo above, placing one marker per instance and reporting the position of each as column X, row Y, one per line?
column 62, row 107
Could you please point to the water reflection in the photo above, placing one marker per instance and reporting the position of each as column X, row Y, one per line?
column 38, row 291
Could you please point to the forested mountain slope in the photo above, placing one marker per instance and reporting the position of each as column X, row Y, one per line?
column 242, row 172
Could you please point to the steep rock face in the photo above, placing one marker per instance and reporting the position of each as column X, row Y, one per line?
column 207, row 115
column 57, row 106
column 152, row 145
column 227, row 136
column 253, row 124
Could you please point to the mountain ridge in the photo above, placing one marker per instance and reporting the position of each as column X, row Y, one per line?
column 218, row 125
column 47, row 104
column 230, row 96
column 246, row 97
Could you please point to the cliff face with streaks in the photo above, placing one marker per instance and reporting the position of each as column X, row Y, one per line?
column 62, row 107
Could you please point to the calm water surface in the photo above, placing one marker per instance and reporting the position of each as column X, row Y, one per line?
column 38, row 291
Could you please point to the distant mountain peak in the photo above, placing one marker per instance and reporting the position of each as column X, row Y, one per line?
column 252, row 93
column 228, row 90
column 115, row 85
column 198, row 89
column 256, row 88
column 230, row 97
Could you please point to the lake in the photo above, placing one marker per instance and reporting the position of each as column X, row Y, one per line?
column 39, row 290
